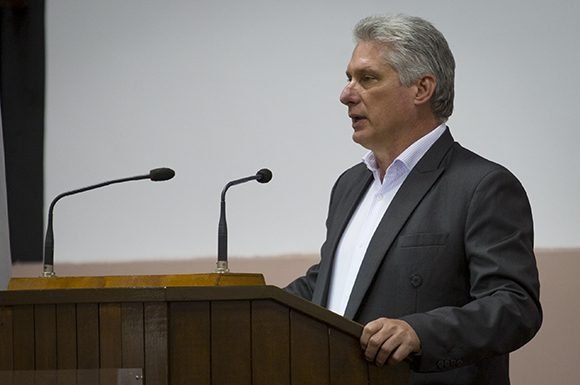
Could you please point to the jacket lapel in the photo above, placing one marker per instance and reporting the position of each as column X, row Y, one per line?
column 343, row 212
column 412, row 191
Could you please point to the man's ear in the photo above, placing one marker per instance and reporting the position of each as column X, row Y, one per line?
column 425, row 89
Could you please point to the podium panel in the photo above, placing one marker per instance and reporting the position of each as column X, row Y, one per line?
column 230, row 335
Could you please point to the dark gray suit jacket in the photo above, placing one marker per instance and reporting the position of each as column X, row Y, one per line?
column 453, row 256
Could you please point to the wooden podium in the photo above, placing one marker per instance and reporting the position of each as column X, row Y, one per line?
column 222, row 333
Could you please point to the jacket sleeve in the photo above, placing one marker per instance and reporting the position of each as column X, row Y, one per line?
column 504, row 311
column 304, row 286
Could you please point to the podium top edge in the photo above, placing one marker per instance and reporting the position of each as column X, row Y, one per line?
column 137, row 281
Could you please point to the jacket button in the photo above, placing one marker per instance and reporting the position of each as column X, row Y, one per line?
column 416, row 280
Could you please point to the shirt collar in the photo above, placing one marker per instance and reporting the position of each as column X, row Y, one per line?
column 412, row 154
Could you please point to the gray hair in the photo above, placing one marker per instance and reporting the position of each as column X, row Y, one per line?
column 416, row 49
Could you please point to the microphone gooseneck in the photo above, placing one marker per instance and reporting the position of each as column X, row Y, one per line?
column 262, row 176
column 157, row 174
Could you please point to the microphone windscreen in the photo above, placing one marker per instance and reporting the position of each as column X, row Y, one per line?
column 161, row 174
column 264, row 175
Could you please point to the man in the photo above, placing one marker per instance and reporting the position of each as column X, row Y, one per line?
column 428, row 244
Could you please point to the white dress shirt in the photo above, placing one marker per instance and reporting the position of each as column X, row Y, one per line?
column 365, row 220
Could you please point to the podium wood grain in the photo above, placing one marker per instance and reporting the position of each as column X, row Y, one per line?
column 224, row 335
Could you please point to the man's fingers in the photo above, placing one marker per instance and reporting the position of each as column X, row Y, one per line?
column 399, row 355
column 388, row 341
column 373, row 339
column 370, row 330
column 392, row 351
column 378, row 347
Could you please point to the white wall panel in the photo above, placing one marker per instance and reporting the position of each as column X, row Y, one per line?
column 220, row 89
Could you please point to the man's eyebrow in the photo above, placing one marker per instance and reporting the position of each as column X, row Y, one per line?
column 370, row 67
column 365, row 69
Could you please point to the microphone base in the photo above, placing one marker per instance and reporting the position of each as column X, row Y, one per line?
column 222, row 267
column 48, row 271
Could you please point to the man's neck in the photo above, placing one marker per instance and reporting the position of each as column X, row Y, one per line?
column 387, row 154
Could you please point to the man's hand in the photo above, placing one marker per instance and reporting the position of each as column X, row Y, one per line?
column 389, row 340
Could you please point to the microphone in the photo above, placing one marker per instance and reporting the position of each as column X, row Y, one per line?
column 262, row 176
column 156, row 175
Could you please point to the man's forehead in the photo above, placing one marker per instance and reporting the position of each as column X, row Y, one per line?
column 368, row 56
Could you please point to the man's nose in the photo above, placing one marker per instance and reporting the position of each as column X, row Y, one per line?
column 349, row 95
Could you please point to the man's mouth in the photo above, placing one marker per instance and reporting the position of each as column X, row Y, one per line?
column 356, row 119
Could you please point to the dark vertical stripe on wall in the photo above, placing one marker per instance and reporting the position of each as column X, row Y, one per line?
column 22, row 85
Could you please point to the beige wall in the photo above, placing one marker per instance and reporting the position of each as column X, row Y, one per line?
column 550, row 358
column 553, row 355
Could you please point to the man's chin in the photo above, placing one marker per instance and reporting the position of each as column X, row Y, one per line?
column 359, row 138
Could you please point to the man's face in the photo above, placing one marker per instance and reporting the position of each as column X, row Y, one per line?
column 380, row 107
